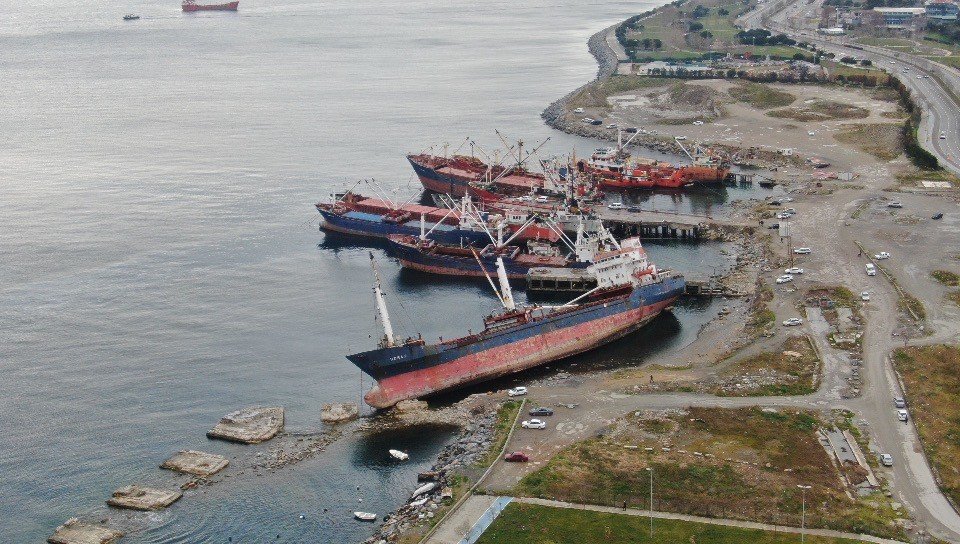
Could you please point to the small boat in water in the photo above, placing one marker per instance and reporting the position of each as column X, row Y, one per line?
column 425, row 488
column 365, row 516
column 130, row 17
column 192, row 5
column 399, row 455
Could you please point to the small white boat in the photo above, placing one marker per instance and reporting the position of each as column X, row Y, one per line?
column 425, row 488
column 399, row 455
column 420, row 502
column 365, row 516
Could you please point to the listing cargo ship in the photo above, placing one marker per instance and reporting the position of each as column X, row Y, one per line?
column 462, row 175
column 463, row 225
column 519, row 338
column 192, row 5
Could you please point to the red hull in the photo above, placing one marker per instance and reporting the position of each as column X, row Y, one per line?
column 515, row 357
column 231, row 6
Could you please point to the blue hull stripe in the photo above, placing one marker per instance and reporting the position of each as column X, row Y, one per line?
column 387, row 362
column 364, row 224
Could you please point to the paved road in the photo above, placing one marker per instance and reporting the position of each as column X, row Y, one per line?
column 941, row 113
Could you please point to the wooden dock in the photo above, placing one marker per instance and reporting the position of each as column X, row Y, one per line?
column 653, row 224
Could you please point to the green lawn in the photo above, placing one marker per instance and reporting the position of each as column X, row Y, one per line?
column 534, row 524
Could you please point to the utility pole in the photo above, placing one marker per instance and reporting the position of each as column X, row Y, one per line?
column 651, row 501
column 803, row 511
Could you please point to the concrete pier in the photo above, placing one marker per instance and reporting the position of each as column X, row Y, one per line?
column 196, row 462
column 135, row 497
column 74, row 532
column 249, row 425
column 652, row 224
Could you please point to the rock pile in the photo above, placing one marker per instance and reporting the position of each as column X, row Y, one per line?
column 467, row 450
column 249, row 425
column 339, row 412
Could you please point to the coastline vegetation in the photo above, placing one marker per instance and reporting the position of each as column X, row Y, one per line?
column 522, row 523
column 932, row 384
column 946, row 277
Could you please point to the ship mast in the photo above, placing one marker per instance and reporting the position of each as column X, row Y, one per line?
column 388, row 339
column 506, row 292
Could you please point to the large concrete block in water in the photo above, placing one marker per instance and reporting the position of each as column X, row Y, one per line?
column 249, row 425
column 74, row 532
column 196, row 462
column 135, row 497
column 339, row 412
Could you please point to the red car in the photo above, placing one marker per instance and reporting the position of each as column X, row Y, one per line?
column 516, row 457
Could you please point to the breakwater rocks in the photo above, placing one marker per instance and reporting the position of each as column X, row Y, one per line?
column 455, row 460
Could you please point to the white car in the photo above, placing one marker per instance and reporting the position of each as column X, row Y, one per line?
column 943, row 135
column 881, row 256
column 578, row 110
column 793, row 322
column 865, row 296
column 811, row 133
column 678, row 138
column 786, row 199
column 902, row 415
column 919, row 77
column 870, row 269
column 886, row 459
column 803, row 251
column 783, row 215
column 793, row 270
column 612, row 125
column 517, row 391
column 894, row 204
column 542, row 198
column 698, row 123
column 615, row 205
column 534, row 424
column 786, row 278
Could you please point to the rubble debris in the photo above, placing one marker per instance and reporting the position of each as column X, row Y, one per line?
column 196, row 462
column 411, row 405
column 74, row 532
column 339, row 412
column 249, row 425
column 135, row 497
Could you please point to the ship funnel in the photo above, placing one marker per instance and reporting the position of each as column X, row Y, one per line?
column 506, row 293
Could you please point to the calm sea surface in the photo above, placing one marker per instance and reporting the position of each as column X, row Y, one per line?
column 160, row 263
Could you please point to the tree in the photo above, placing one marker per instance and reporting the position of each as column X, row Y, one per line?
column 696, row 27
column 657, row 44
column 646, row 42
column 723, row 12
column 866, row 62
column 700, row 11
column 706, row 34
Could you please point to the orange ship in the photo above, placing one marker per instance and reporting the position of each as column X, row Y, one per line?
column 614, row 168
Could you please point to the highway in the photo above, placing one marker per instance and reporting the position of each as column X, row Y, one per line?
column 941, row 111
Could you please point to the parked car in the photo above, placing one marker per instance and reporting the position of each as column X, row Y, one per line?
column 871, row 270
column 865, row 296
column 597, row 122
column 794, row 270
column 775, row 202
column 937, row 216
column 698, row 123
column 541, row 411
column 517, row 391
column 612, row 125
column 791, row 211
column 793, row 322
column 886, row 459
column 881, row 256
column 783, row 215
column 615, row 205
column 534, row 424
column 634, row 209
column 516, row 457
column 899, row 402
column 631, row 129
column 543, row 198
column 943, row 135
column 786, row 278
column 894, row 204
column 902, row 415
column 578, row 110
column 774, row 226
column 786, row 199
column 803, row 251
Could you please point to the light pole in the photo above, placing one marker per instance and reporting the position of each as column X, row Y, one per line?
column 803, row 511
column 651, row 501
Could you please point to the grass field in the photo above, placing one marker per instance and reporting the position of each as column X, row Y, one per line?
column 505, row 416
column 790, row 370
column 741, row 464
column 882, row 140
column 820, row 110
column 535, row 524
column 761, row 96
column 595, row 95
column 933, row 391
column 946, row 277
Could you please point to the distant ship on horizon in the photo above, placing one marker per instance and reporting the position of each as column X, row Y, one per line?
column 192, row 5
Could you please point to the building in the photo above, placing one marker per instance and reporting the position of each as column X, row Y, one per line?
column 942, row 10
column 902, row 18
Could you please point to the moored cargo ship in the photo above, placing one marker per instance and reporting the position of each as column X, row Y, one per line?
column 192, row 5
column 462, row 175
column 519, row 338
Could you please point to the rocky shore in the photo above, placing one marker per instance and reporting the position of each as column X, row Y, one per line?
column 452, row 467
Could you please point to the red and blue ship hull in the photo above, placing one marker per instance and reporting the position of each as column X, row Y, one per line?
column 416, row 370
column 374, row 226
